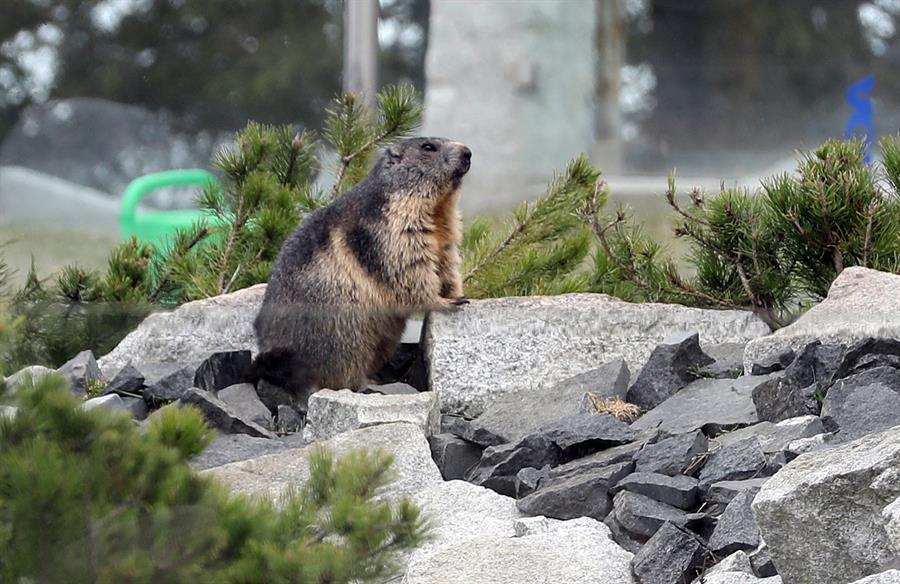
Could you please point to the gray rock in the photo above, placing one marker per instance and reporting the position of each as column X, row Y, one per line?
column 466, row 430
column 137, row 406
column 672, row 556
column 579, row 551
column 739, row 578
column 81, row 371
column 707, row 404
column 887, row 577
column 728, row 361
column 868, row 354
column 513, row 416
column 242, row 399
column 171, row 387
column 671, row 366
column 392, row 389
column 606, row 457
column 288, row 420
column 273, row 397
column 761, row 561
column 891, row 515
column 775, row 362
column 737, row 461
column 794, row 393
column 223, row 369
column 112, row 403
column 453, row 455
column 528, row 479
column 220, row 416
column 34, row 372
column 628, row 541
column 332, row 412
column 643, row 516
column 722, row 492
column 274, row 474
column 679, row 491
column 864, row 403
column 154, row 372
column 128, row 381
column 774, row 438
column 673, row 455
column 192, row 332
column 499, row 465
column 582, row 495
column 582, row 434
column 736, row 529
column 226, row 448
column 802, row 445
column 473, row 361
column 8, row 412
column 813, row 534
column 739, row 561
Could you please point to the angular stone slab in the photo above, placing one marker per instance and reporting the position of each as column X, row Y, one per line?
column 502, row 346
column 861, row 303
column 332, row 412
column 272, row 475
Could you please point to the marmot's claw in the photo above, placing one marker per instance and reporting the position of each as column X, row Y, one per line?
column 460, row 301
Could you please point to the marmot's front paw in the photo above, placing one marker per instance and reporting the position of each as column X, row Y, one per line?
column 460, row 301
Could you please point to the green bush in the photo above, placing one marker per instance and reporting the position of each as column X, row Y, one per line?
column 87, row 497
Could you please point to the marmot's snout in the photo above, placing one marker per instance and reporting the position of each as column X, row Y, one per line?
column 461, row 157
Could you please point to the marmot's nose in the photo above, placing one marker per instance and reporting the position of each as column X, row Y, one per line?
column 465, row 153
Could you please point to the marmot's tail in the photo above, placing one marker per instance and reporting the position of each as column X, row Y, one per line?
column 284, row 368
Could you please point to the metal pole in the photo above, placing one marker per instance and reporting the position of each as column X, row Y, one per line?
column 361, row 48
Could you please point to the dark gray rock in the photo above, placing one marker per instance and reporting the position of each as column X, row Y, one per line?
column 606, row 457
column 227, row 448
column 739, row 460
column 154, row 372
column 582, row 495
column 128, row 381
column 736, row 528
column 224, row 369
column 673, row 455
column 221, row 416
column 170, row 387
column 243, row 401
column 528, row 479
column 774, row 438
column 671, row 366
column 723, row 492
column 288, row 420
column 272, row 396
column 396, row 388
column 762, row 564
column 794, row 393
column 777, row 362
column 672, row 556
column 863, row 403
column 625, row 540
column 453, row 455
column 466, row 430
column 137, row 406
column 679, row 491
column 499, row 465
column 81, row 371
column 581, row 434
column 710, row 405
column 868, row 354
column 728, row 361
column 514, row 415
column 642, row 516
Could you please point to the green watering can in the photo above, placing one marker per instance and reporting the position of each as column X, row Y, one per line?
column 155, row 226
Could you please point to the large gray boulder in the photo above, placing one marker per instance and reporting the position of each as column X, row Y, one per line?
column 822, row 515
column 274, row 474
column 886, row 577
column 861, row 303
column 332, row 412
column 493, row 348
column 192, row 332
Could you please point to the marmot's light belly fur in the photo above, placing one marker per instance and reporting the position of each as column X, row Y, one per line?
column 349, row 276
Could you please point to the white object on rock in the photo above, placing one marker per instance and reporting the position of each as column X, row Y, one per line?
column 112, row 402
column 822, row 515
column 497, row 347
column 861, row 303
column 272, row 475
column 333, row 412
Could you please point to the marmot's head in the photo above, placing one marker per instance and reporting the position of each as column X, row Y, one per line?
column 427, row 166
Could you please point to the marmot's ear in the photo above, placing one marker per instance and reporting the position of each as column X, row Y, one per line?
column 393, row 153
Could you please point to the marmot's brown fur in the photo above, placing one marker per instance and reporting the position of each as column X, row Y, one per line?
column 347, row 279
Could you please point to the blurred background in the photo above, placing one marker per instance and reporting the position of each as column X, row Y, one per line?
column 96, row 93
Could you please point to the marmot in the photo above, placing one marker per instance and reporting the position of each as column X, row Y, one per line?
column 349, row 276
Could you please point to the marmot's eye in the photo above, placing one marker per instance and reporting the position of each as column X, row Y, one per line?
column 429, row 147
